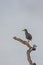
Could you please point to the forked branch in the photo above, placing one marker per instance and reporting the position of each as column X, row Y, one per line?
column 28, row 51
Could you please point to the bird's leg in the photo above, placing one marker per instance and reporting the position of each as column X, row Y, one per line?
column 28, row 40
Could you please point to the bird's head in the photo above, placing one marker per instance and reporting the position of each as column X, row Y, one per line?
column 24, row 30
column 34, row 47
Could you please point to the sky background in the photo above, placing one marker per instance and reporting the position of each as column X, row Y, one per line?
column 16, row 15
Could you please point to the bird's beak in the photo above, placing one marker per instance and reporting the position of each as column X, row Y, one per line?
column 22, row 30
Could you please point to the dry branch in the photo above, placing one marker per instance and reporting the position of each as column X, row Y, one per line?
column 23, row 42
column 28, row 51
column 29, row 57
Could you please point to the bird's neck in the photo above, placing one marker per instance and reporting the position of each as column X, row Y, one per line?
column 26, row 31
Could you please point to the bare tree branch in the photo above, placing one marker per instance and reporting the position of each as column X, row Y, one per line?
column 29, row 57
column 28, row 51
column 23, row 42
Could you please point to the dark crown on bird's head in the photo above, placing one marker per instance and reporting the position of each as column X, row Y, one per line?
column 25, row 30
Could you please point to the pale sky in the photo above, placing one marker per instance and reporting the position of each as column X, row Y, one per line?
column 15, row 15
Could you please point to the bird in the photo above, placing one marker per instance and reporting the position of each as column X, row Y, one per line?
column 28, row 35
column 34, row 47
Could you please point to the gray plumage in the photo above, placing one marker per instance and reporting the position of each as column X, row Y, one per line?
column 28, row 35
column 34, row 47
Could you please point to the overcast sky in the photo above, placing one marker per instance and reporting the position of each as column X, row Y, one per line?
column 15, row 15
